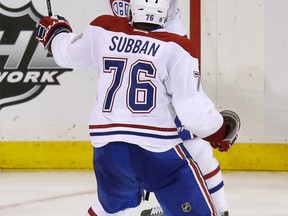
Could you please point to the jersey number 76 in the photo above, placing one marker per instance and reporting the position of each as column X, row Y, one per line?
column 140, row 93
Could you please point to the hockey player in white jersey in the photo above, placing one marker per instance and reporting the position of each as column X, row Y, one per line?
column 141, row 89
column 200, row 150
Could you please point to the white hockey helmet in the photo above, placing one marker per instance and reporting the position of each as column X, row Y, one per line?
column 148, row 11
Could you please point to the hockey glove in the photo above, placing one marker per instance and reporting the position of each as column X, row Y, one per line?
column 232, row 122
column 49, row 27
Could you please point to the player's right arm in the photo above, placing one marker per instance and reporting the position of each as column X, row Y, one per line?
column 193, row 107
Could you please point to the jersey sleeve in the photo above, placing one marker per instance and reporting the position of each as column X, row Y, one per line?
column 73, row 51
column 193, row 107
column 174, row 24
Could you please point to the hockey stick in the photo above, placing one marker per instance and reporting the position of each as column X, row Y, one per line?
column 49, row 8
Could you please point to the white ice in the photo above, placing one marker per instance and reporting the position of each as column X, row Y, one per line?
column 70, row 193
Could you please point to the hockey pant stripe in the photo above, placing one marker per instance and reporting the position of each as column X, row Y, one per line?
column 182, row 152
column 91, row 212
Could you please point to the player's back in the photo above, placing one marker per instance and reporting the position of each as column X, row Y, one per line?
column 134, row 87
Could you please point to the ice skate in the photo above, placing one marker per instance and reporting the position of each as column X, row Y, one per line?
column 155, row 211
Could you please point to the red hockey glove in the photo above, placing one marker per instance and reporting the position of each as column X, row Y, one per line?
column 49, row 27
column 222, row 146
column 232, row 122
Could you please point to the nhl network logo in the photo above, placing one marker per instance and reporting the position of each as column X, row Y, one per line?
column 25, row 67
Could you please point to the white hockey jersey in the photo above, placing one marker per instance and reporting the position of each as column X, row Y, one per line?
column 145, row 79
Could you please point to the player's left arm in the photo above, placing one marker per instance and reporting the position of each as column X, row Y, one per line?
column 68, row 49
column 48, row 27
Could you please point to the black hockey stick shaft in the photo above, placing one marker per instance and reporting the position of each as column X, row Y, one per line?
column 49, row 8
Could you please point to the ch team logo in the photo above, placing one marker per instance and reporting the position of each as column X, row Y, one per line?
column 25, row 67
column 120, row 8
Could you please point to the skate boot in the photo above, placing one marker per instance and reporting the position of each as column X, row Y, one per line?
column 155, row 211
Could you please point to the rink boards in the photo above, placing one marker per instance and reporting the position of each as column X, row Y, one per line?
column 78, row 155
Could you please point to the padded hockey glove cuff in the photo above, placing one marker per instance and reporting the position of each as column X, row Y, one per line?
column 49, row 27
column 232, row 122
